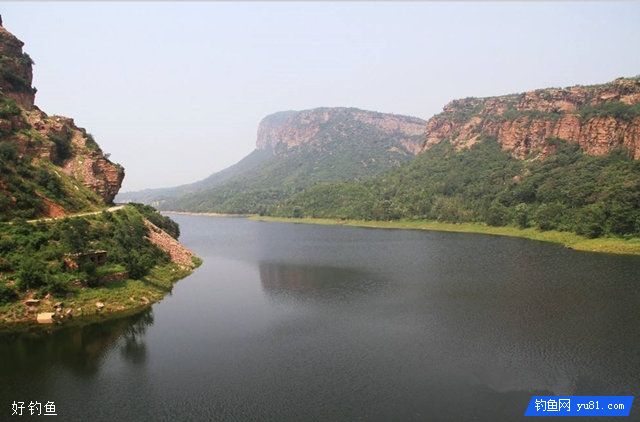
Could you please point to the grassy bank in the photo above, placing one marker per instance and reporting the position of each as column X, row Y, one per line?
column 569, row 240
column 119, row 298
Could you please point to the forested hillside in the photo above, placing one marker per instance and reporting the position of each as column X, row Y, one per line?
column 569, row 191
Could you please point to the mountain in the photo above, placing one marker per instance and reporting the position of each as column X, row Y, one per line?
column 295, row 149
column 49, row 166
column 561, row 159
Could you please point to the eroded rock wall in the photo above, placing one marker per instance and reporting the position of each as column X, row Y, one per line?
column 522, row 123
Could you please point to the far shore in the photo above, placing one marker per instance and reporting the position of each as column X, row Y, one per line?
column 208, row 214
column 569, row 240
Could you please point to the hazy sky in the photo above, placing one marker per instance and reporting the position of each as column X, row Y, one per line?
column 174, row 91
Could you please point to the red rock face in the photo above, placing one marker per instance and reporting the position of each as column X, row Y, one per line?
column 523, row 123
column 294, row 128
column 177, row 252
column 16, row 70
column 88, row 163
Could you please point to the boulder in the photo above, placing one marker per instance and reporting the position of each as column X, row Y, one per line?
column 45, row 318
column 32, row 302
column 99, row 305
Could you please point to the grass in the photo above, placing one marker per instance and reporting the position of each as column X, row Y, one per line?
column 119, row 298
column 569, row 240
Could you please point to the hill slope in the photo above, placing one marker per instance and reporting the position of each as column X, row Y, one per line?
column 298, row 149
column 51, row 168
column 48, row 166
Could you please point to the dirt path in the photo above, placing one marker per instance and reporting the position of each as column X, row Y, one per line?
column 80, row 214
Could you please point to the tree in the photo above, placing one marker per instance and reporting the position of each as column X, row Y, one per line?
column 590, row 220
column 521, row 215
column 32, row 274
column 497, row 215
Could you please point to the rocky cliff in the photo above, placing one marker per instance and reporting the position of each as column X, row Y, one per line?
column 289, row 129
column 599, row 118
column 47, row 157
column 15, row 70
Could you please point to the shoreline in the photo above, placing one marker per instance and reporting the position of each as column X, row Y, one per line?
column 567, row 239
column 120, row 299
column 207, row 214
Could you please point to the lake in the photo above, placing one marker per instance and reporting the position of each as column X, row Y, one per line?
column 288, row 322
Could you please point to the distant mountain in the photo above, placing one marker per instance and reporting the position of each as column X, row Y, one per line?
column 555, row 158
column 563, row 159
column 48, row 165
column 295, row 149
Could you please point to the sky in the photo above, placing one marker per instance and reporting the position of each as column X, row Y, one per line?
column 175, row 90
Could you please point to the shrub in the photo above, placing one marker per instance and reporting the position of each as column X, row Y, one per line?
column 8, row 108
column 590, row 221
column 8, row 151
column 7, row 294
column 548, row 216
column 521, row 215
column 616, row 109
column 62, row 142
column 497, row 215
column 32, row 274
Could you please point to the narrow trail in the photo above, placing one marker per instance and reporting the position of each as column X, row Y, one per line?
column 80, row 214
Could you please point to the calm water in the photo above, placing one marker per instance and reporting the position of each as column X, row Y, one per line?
column 296, row 322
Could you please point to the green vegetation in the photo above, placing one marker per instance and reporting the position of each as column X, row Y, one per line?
column 165, row 223
column 513, row 114
column 24, row 182
column 62, row 143
column 466, row 109
column 8, row 108
column 568, row 191
column 32, row 258
column 10, row 72
column 616, row 109
column 91, row 143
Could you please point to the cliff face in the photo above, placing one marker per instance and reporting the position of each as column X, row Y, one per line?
column 47, row 147
column 599, row 118
column 289, row 129
column 15, row 70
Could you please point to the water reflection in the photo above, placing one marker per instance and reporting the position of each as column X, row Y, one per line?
column 286, row 322
column 292, row 282
column 80, row 349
